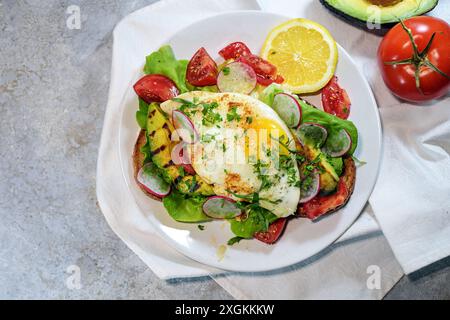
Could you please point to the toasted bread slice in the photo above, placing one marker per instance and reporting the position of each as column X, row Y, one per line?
column 138, row 160
column 323, row 205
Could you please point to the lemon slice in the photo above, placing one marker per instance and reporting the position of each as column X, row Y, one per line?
column 304, row 52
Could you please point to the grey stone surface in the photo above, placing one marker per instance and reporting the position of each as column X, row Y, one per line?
column 53, row 92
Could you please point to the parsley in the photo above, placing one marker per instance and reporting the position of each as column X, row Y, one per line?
column 234, row 240
column 260, row 169
column 233, row 115
column 208, row 137
column 226, row 71
column 249, row 120
column 201, row 227
column 210, row 117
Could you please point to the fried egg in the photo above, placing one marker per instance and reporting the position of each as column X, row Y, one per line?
column 242, row 149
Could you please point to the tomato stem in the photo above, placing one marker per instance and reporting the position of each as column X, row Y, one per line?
column 418, row 59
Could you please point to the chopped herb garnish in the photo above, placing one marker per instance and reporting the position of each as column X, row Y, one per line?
column 201, row 227
column 234, row 240
column 233, row 115
column 226, row 71
column 249, row 120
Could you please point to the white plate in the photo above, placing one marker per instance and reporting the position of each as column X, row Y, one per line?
column 302, row 238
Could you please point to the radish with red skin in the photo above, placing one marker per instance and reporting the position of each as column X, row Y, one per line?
column 237, row 77
column 312, row 134
column 149, row 179
column 288, row 108
column 308, row 192
column 180, row 157
column 184, row 126
column 338, row 145
column 220, row 207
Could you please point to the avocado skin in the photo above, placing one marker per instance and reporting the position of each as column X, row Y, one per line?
column 362, row 24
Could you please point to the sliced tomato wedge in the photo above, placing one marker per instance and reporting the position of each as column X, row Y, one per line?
column 321, row 204
column 335, row 100
column 235, row 50
column 156, row 88
column 202, row 69
column 266, row 72
column 273, row 233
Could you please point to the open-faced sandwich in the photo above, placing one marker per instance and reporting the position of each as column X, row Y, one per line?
column 233, row 140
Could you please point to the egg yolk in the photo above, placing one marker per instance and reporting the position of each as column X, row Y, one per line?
column 265, row 134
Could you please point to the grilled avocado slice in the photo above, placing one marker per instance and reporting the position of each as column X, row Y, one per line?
column 366, row 13
column 159, row 137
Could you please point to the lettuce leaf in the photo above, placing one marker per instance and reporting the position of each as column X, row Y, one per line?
column 185, row 209
column 268, row 94
column 164, row 62
column 332, row 123
column 142, row 114
column 258, row 220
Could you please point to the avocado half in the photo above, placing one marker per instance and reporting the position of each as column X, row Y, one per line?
column 378, row 16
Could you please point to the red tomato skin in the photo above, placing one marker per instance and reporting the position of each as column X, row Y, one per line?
column 202, row 69
column 155, row 88
column 319, row 205
column 273, row 233
column 396, row 45
column 235, row 50
column 266, row 72
column 335, row 99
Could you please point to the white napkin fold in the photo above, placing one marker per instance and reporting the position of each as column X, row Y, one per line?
column 135, row 37
column 411, row 200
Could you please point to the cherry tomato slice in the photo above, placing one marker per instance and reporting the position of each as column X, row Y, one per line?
column 335, row 100
column 265, row 71
column 156, row 88
column 202, row 69
column 235, row 50
column 273, row 233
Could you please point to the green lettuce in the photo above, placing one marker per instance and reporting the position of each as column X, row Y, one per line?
column 258, row 220
column 142, row 114
column 185, row 209
column 268, row 94
column 332, row 123
column 164, row 62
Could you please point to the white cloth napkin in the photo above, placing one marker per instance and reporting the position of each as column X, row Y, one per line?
column 339, row 272
column 411, row 200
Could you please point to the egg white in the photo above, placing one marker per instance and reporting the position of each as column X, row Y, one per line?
column 221, row 156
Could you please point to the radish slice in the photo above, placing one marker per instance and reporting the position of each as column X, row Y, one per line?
column 309, row 187
column 237, row 77
column 288, row 109
column 312, row 134
column 184, row 126
column 180, row 155
column 149, row 179
column 338, row 144
column 219, row 207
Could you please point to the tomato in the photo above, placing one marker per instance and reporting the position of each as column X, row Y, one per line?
column 235, row 50
column 266, row 72
column 335, row 100
column 202, row 69
column 273, row 233
column 419, row 72
column 320, row 205
column 156, row 88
